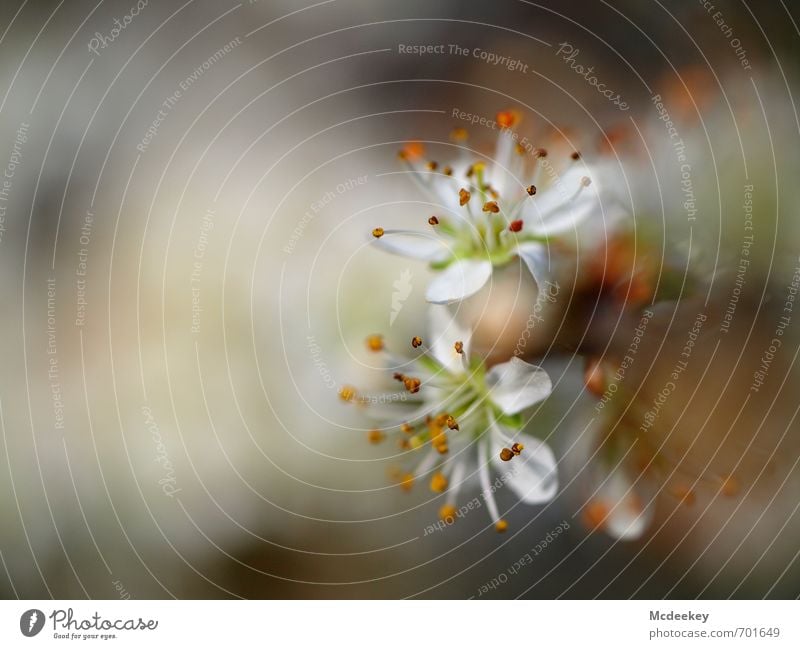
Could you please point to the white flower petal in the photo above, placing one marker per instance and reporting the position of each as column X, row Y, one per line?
column 534, row 474
column 515, row 385
column 458, row 281
column 414, row 244
column 502, row 178
column 629, row 511
column 557, row 210
column 567, row 217
column 537, row 259
column 444, row 330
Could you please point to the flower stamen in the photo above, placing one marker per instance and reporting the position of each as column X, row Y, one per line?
column 375, row 343
column 347, row 393
column 438, row 482
column 412, row 384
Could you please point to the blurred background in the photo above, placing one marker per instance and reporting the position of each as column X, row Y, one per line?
column 187, row 193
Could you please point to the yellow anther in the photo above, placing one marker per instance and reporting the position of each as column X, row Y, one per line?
column 412, row 384
column 407, row 428
column 452, row 424
column 516, row 448
column 433, row 221
column 439, row 441
column 459, row 347
column 412, row 151
column 683, row 493
column 377, row 233
column 491, row 206
column 403, row 444
column 347, row 393
column 506, row 454
column 433, row 166
column 376, row 436
column 416, row 341
column 459, row 134
column 447, row 513
column 463, row 198
column 520, row 149
column 595, row 514
column 438, row 483
column 506, row 118
column 375, row 342
column 501, row 526
column 447, row 171
column 730, row 486
column 407, row 482
column 531, row 190
column 594, row 376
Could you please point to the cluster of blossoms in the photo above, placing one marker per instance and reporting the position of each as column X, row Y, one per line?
column 491, row 215
column 463, row 417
